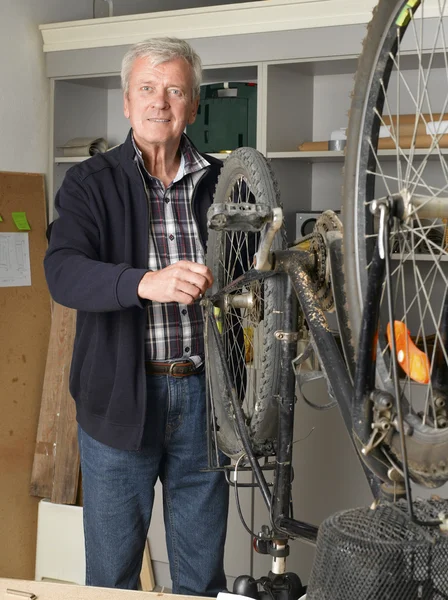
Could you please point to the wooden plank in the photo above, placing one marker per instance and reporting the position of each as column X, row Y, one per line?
column 24, row 330
column 54, row 405
column 147, row 582
column 406, row 142
column 67, row 460
column 312, row 146
column 57, row 591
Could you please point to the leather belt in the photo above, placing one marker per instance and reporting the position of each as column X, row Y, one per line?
column 175, row 368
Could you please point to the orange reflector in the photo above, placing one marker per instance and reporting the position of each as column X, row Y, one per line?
column 413, row 361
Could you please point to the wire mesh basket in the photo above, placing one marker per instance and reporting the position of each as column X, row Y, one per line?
column 365, row 554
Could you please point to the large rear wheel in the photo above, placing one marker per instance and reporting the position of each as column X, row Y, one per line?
column 396, row 151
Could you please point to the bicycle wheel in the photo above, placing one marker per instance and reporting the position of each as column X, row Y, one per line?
column 395, row 150
column 248, row 316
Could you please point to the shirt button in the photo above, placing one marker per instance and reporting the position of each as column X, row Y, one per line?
column 187, row 349
column 167, row 200
column 171, row 237
column 184, row 312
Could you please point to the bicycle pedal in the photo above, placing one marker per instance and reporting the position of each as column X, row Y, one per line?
column 238, row 217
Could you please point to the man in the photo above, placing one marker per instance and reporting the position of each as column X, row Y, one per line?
column 127, row 252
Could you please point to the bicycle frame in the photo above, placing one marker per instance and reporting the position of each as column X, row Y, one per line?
column 352, row 385
column 296, row 266
column 370, row 389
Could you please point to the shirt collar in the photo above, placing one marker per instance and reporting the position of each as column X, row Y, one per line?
column 190, row 162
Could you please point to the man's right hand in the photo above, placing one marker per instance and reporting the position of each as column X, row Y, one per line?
column 182, row 282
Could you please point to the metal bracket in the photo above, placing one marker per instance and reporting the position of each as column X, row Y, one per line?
column 285, row 336
column 262, row 259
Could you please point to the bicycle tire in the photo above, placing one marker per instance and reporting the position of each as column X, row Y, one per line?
column 253, row 362
column 379, row 82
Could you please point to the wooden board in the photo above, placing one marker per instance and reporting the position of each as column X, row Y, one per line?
column 55, row 473
column 409, row 119
column 313, row 147
column 67, row 466
column 62, row 591
column 147, row 582
column 24, row 332
column 405, row 142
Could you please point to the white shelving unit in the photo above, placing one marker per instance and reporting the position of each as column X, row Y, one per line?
column 93, row 106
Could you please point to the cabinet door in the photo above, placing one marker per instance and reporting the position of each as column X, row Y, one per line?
column 228, row 123
column 226, row 117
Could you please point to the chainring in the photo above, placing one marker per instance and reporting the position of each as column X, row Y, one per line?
column 327, row 221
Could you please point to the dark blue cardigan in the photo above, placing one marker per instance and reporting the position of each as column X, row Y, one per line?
column 97, row 255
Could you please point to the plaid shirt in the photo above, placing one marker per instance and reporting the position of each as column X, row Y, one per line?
column 174, row 330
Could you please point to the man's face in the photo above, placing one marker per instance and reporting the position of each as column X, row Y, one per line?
column 159, row 101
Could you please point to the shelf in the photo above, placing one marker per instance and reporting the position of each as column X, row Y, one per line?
column 219, row 155
column 339, row 156
column 78, row 159
column 392, row 154
column 316, row 156
column 70, row 159
column 419, row 257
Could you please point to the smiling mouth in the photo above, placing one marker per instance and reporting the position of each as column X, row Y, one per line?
column 160, row 120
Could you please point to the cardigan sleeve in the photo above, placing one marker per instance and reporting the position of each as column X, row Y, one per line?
column 76, row 276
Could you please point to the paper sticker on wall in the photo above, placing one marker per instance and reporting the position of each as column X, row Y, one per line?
column 20, row 221
column 15, row 267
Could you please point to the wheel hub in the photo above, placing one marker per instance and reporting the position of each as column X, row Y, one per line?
column 248, row 301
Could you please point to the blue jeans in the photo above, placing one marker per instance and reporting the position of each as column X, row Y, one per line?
column 118, row 495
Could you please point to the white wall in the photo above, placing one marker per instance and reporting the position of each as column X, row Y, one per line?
column 24, row 92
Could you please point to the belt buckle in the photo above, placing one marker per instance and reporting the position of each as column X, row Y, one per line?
column 171, row 370
column 180, row 375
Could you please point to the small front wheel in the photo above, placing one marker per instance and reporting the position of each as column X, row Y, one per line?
column 248, row 316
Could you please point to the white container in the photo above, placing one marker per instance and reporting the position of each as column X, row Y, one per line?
column 60, row 552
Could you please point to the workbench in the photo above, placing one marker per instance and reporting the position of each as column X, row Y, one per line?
column 44, row 590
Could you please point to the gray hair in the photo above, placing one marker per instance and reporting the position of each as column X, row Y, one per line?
column 161, row 50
